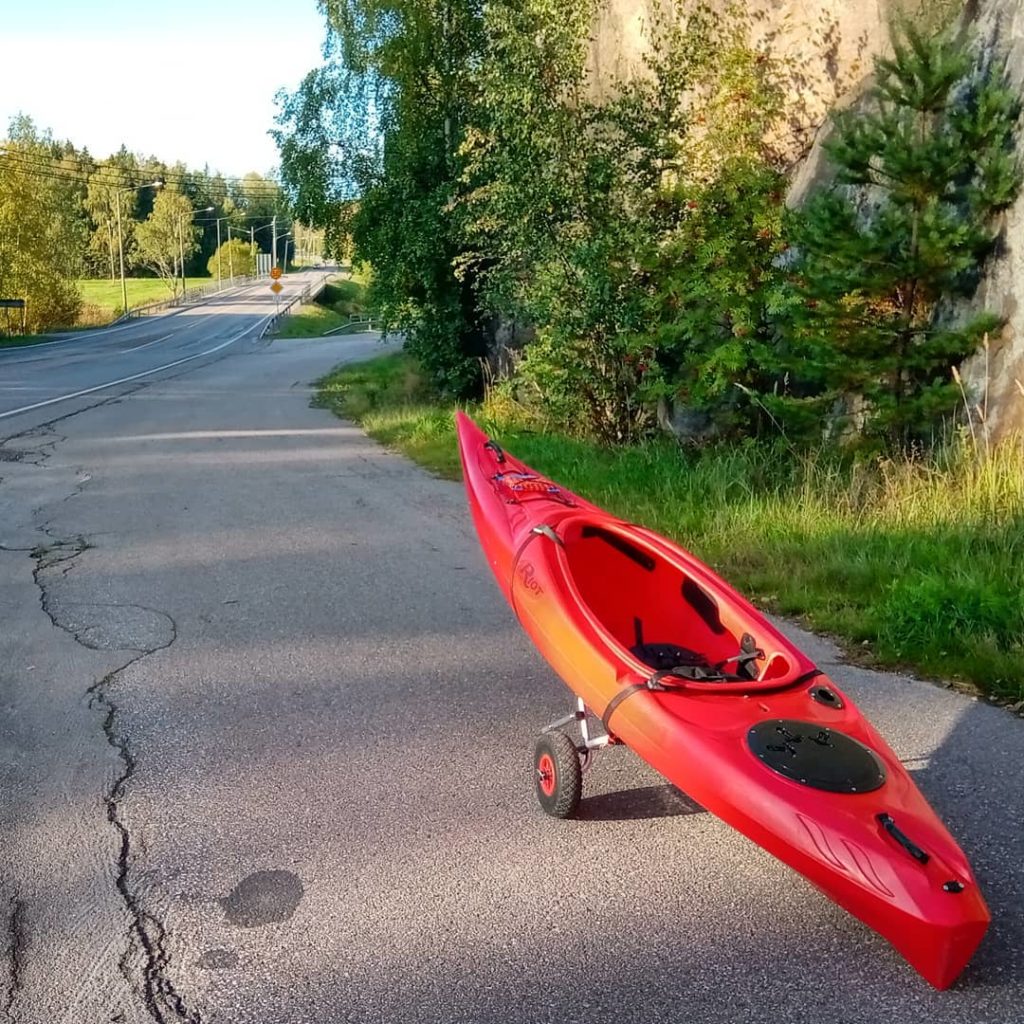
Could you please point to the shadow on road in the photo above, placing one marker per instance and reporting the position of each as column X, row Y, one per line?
column 973, row 780
column 635, row 804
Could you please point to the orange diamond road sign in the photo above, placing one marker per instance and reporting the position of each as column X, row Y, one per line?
column 277, row 287
column 275, row 273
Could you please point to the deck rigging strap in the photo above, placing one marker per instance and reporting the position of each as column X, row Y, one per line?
column 656, row 684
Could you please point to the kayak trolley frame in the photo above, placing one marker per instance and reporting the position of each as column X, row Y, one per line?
column 559, row 761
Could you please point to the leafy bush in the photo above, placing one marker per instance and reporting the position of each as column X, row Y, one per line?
column 637, row 235
column 233, row 258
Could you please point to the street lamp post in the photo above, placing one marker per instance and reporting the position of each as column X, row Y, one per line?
column 285, row 234
column 120, row 238
column 231, row 271
column 272, row 224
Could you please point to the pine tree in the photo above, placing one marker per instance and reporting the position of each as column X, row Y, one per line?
column 905, row 227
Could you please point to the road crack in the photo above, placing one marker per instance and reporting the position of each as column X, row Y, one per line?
column 146, row 950
column 16, row 940
column 146, row 933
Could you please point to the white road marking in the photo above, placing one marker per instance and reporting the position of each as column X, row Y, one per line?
column 134, row 322
column 134, row 376
column 87, row 334
column 145, row 344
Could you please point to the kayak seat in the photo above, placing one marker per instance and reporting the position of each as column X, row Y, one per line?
column 666, row 656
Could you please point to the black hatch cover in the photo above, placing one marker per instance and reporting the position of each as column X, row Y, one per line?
column 815, row 756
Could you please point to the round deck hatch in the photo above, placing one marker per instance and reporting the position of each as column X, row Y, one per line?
column 815, row 756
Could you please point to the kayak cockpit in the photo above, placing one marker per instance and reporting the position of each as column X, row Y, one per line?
column 657, row 612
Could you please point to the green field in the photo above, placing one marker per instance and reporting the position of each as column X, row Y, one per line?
column 101, row 298
column 914, row 563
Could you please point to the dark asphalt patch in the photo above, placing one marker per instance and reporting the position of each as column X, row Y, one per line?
column 265, row 897
column 217, row 959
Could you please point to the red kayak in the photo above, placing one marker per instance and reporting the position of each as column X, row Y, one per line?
column 689, row 675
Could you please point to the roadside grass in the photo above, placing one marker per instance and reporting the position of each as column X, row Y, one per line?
column 339, row 300
column 313, row 321
column 344, row 296
column 914, row 564
column 105, row 295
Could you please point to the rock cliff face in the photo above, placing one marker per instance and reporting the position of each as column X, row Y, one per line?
column 831, row 45
column 999, row 373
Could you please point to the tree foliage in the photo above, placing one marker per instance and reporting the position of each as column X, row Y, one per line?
column 234, row 258
column 922, row 173
column 386, row 119
column 167, row 235
column 42, row 230
column 637, row 234
column 638, row 230
column 103, row 202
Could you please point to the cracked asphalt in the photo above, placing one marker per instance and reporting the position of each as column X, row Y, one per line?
column 265, row 735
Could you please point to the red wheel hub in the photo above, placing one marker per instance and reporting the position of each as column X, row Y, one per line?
column 546, row 774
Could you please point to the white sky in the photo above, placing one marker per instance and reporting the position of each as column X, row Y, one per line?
column 193, row 80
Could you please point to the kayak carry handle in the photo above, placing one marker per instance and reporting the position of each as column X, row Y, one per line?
column 890, row 826
column 499, row 453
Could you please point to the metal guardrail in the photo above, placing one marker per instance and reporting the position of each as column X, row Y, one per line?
column 190, row 296
column 356, row 324
column 306, row 296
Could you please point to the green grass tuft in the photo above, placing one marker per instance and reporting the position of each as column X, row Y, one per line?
column 311, row 322
column 914, row 563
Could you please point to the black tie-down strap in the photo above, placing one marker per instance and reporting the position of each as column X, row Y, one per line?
column 656, row 683
column 688, row 673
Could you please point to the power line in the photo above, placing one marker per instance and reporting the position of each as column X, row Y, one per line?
column 106, row 168
column 212, row 193
column 209, row 187
column 67, row 176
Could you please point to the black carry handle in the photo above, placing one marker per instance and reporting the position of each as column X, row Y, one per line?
column 915, row 851
column 496, row 448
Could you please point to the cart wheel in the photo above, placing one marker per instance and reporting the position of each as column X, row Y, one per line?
column 558, row 773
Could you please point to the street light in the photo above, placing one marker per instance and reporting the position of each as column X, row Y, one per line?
column 272, row 224
column 231, row 269
column 120, row 240
column 181, row 242
column 252, row 242
column 274, row 247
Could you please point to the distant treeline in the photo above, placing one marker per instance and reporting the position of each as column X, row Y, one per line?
column 65, row 214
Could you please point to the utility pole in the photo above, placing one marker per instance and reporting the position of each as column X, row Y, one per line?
column 120, row 250
column 218, row 253
column 181, row 255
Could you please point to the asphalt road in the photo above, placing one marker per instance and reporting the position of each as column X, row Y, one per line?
column 265, row 734
column 37, row 382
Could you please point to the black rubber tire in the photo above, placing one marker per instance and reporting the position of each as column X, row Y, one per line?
column 564, row 798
